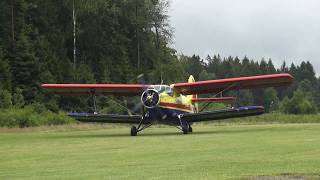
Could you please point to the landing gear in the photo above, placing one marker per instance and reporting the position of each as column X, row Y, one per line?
column 134, row 131
column 185, row 130
column 184, row 125
column 142, row 125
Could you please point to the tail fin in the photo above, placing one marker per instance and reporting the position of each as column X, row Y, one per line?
column 194, row 96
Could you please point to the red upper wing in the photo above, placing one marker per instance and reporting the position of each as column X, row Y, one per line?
column 215, row 86
column 98, row 89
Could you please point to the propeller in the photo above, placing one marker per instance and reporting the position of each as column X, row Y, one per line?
column 150, row 98
column 139, row 106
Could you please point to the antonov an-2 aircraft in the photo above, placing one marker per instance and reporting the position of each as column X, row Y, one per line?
column 174, row 105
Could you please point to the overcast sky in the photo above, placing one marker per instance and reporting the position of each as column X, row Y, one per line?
column 278, row 29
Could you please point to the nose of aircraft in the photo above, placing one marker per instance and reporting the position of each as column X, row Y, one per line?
column 150, row 98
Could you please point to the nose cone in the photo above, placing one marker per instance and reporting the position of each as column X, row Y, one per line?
column 150, row 98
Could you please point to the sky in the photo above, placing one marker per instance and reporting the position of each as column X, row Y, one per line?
column 278, row 29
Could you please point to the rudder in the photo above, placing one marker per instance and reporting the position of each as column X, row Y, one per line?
column 193, row 96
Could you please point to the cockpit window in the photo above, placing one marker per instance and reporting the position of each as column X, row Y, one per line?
column 163, row 88
column 159, row 88
column 168, row 90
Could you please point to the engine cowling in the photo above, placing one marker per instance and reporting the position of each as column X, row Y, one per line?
column 150, row 98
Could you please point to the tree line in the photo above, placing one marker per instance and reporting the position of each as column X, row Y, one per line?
column 300, row 98
column 113, row 41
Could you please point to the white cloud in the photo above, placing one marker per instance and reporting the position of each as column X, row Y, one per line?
column 282, row 30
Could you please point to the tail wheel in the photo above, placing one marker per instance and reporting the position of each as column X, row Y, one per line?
column 134, row 131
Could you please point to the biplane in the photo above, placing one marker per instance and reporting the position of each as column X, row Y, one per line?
column 175, row 104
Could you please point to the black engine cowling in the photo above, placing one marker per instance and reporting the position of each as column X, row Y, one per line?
column 150, row 98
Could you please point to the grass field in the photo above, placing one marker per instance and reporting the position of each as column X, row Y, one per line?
column 211, row 152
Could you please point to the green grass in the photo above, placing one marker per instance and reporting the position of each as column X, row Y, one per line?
column 211, row 152
column 277, row 118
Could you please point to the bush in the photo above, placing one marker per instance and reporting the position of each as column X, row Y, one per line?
column 298, row 104
column 38, row 107
column 17, row 118
column 17, row 98
column 5, row 99
column 58, row 119
column 32, row 115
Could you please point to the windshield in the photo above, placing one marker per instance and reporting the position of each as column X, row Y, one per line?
column 163, row 88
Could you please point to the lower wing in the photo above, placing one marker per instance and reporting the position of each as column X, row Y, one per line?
column 224, row 114
column 108, row 118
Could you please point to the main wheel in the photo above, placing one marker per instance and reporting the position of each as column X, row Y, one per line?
column 185, row 130
column 134, row 131
column 190, row 128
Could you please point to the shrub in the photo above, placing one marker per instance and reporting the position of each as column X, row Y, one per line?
column 298, row 104
column 58, row 119
column 32, row 115
column 5, row 99
column 17, row 98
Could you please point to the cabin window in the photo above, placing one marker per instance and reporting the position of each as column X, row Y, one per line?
column 163, row 88
column 168, row 90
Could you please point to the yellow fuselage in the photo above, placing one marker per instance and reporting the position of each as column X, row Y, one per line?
column 177, row 102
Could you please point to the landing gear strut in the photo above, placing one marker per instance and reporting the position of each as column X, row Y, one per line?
column 141, row 126
column 190, row 128
column 184, row 125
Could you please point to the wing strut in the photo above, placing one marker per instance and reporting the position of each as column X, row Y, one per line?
column 94, row 101
column 237, row 85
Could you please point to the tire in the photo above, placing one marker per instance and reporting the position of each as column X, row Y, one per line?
column 134, row 131
column 185, row 130
column 190, row 129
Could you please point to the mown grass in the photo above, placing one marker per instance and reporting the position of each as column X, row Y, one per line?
column 211, row 152
column 277, row 118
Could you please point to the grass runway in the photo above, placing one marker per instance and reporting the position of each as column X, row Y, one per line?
column 211, row 152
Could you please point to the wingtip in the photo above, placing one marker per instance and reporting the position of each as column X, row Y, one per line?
column 289, row 76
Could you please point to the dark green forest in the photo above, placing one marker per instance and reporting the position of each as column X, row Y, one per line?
column 114, row 42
